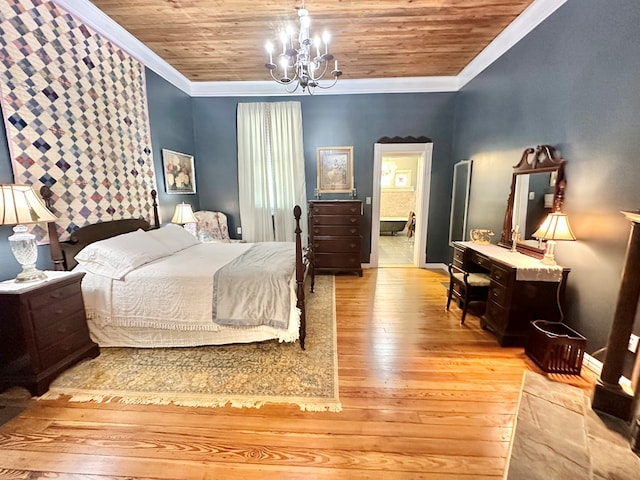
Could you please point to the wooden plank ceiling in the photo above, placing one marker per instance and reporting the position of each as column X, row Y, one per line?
column 223, row 40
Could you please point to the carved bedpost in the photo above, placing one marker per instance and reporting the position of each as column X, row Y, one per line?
column 54, row 241
column 156, row 218
column 297, row 213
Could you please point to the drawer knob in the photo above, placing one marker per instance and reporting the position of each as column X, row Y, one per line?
column 353, row 231
column 62, row 329
column 56, row 294
column 58, row 311
column 353, row 220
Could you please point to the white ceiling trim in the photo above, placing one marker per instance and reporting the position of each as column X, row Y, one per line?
column 92, row 16
column 533, row 16
column 343, row 87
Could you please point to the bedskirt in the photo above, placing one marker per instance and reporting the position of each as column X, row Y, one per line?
column 115, row 336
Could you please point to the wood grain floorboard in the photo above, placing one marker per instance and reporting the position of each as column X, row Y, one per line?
column 423, row 398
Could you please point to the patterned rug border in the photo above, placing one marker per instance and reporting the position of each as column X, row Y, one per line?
column 130, row 397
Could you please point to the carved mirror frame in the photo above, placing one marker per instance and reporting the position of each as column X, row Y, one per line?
column 544, row 158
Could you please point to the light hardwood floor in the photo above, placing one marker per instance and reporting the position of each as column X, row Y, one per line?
column 423, row 398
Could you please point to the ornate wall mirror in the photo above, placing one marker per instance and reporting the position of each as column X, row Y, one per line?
column 537, row 189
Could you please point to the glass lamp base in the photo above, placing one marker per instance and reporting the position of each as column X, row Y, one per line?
column 30, row 273
column 24, row 248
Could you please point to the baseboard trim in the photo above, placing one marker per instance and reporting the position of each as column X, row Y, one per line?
column 595, row 366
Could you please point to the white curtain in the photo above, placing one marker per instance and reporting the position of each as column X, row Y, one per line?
column 271, row 178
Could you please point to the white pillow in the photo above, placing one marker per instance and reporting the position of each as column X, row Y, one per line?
column 173, row 237
column 116, row 256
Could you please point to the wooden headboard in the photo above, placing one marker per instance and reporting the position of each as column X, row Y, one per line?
column 63, row 253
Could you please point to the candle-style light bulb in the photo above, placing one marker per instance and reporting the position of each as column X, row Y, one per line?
column 269, row 48
column 290, row 36
column 284, row 63
column 316, row 43
column 325, row 38
column 283, row 39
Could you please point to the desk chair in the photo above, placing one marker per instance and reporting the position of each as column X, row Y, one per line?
column 467, row 287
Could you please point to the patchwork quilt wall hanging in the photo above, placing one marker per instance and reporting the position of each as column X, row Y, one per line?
column 76, row 116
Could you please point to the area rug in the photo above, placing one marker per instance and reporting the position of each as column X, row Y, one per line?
column 240, row 375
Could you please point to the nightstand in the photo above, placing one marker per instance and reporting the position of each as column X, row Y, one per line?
column 43, row 330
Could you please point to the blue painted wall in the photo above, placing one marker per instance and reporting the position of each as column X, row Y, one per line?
column 171, row 124
column 572, row 83
column 334, row 120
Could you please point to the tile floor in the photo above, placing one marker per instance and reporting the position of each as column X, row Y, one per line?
column 395, row 250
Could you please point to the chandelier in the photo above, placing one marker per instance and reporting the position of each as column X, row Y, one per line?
column 298, row 66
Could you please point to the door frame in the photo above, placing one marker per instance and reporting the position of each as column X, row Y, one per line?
column 424, row 151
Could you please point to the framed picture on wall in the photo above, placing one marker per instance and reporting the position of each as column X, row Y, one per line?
column 335, row 169
column 402, row 179
column 179, row 172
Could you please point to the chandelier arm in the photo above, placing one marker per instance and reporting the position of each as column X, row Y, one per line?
column 319, row 77
column 335, row 80
column 287, row 85
column 291, row 80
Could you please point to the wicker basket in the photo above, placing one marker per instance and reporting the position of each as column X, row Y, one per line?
column 555, row 348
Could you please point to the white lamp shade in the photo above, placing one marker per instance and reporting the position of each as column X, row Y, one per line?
column 555, row 227
column 183, row 214
column 19, row 204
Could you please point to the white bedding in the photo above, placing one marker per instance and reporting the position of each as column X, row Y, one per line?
column 168, row 302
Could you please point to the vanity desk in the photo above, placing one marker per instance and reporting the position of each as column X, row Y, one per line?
column 521, row 290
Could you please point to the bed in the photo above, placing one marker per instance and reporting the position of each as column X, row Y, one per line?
column 148, row 286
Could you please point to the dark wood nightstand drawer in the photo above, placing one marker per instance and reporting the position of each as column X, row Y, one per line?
column 62, row 349
column 48, row 315
column 336, row 260
column 496, row 315
column 49, row 296
column 481, row 260
column 497, row 294
column 458, row 257
column 500, row 275
column 62, row 328
column 335, row 220
column 335, row 231
column 336, row 208
column 337, row 245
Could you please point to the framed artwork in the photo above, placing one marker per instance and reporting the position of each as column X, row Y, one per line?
column 179, row 172
column 335, row 169
column 403, row 179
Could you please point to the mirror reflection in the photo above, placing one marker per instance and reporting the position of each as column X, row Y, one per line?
column 532, row 203
column 537, row 189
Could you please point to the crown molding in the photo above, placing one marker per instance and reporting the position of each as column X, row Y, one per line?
column 343, row 87
column 533, row 16
column 92, row 16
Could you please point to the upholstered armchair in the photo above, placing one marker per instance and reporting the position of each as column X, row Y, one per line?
column 212, row 226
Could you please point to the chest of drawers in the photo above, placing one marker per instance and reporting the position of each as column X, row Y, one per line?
column 43, row 331
column 335, row 235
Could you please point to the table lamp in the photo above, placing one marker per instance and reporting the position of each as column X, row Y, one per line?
column 555, row 227
column 183, row 214
column 20, row 205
